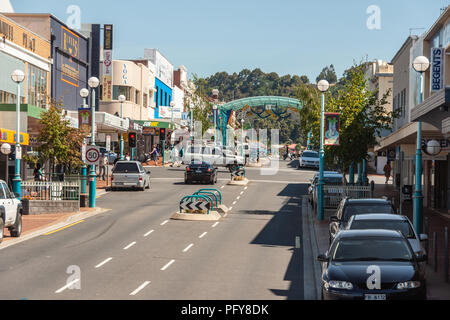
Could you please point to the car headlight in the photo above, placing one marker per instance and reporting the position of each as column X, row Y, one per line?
column 408, row 285
column 339, row 285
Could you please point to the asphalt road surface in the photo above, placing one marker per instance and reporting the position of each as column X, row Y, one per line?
column 134, row 251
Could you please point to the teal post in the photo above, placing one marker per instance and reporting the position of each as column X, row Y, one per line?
column 17, row 181
column 364, row 173
column 352, row 174
column 164, row 152
column 92, row 174
column 360, row 174
column 83, row 179
column 321, row 211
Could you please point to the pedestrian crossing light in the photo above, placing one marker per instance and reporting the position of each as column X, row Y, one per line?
column 132, row 140
column 162, row 134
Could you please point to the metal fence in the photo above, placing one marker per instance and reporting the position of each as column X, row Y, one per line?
column 333, row 195
column 49, row 190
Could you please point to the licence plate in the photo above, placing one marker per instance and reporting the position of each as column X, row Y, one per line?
column 375, row 297
column 119, row 183
column 198, row 171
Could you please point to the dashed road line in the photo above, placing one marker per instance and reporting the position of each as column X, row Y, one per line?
column 234, row 203
column 101, row 264
column 242, row 193
column 215, row 224
column 188, row 247
column 129, row 246
column 245, row 188
column 149, row 233
column 164, row 222
column 204, row 234
column 141, row 287
column 167, row 265
column 238, row 198
column 67, row 286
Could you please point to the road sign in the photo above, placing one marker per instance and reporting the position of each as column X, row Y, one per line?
column 108, row 143
column 93, row 155
column 195, row 205
column 19, row 152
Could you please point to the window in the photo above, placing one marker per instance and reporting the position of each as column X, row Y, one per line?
column 137, row 97
column 165, row 98
column 145, row 100
column 161, row 97
column 37, row 86
column 157, row 96
column 121, row 90
column 2, row 193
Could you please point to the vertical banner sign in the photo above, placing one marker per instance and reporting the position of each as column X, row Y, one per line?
column 84, row 120
column 437, row 68
column 70, row 69
column 332, row 129
column 107, row 62
column 108, row 143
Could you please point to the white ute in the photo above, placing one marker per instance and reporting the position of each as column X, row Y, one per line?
column 10, row 212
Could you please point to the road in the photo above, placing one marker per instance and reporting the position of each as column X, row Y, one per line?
column 134, row 251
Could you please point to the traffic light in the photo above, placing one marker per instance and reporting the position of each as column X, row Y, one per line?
column 162, row 134
column 132, row 140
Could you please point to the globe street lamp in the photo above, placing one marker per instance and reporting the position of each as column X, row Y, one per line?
column 84, row 93
column 323, row 87
column 93, row 83
column 122, row 99
column 420, row 64
column 18, row 76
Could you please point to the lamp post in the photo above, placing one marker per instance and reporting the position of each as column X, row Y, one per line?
column 18, row 76
column 242, row 138
column 215, row 124
column 323, row 87
column 5, row 148
column 84, row 93
column 122, row 99
column 420, row 64
column 172, row 105
column 93, row 83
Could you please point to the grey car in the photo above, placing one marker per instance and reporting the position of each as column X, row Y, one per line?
column 390, row 222
column 130, row 174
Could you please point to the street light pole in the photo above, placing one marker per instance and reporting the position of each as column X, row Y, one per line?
column 84, row 93
column 215, row 124
column 93, row 83
column 242, row 138
column 420, row 64
column 323, row 87
column 18, row 76
column 122, row 98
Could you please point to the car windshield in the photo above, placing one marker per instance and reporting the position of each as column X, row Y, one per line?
column 356, row 209
column 372, row 249
column 199, row 165
column 396, row 225
column 310, row 155
column 336, row 181
column 126, row 167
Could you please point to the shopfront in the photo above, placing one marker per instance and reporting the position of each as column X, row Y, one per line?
column 7, row 162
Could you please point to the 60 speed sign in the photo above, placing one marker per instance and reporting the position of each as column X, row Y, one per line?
column 93, row 156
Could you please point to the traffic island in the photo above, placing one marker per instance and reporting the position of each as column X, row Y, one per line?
column 204, row 205
column 202, row 216
column 239, row 182
column 239, row 177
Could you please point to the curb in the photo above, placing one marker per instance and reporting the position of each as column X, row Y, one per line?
column 67, row 222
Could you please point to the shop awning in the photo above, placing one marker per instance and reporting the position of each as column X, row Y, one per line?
column 156, row 124
column 9, row 136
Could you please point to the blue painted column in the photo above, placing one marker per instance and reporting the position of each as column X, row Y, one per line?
column 17, row 181
column 83, row 179
column 364, row 173
column 352, row 174
column 360, row 179
column 320, row 207
column 92, row 174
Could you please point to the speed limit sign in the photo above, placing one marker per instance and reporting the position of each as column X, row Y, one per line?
column 93, row 156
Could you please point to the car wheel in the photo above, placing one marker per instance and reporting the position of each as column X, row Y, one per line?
column 2, row 229
column 16, row 230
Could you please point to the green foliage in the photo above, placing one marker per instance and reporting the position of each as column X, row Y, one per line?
column 59, row 143
column 329, row 74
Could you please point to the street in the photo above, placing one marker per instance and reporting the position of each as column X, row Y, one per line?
column 135, row 251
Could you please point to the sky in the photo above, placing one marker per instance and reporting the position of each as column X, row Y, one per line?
column 284, row 36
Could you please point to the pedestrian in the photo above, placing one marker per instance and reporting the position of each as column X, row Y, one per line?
column 154, row 154
column 38, row 173
column 127, row 157
column 387, row 172
column 102, row 168
column 105, row 164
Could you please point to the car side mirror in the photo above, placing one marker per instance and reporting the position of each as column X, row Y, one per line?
column 334, row 219
column 423, row 237
column 422, row 258
column 16, row 195
column 322, row 258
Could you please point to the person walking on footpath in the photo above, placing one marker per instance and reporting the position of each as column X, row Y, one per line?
column 103, row 166
column 387, row 172
column 154, row 154
column 127, row 157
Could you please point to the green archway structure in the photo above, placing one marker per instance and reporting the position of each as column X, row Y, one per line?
column 253, row 102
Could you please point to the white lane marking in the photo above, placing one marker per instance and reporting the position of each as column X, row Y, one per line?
column 167, row 265
column 222, row 187
column 164, row 222
column 129, row 246
column 142, row 286
column 188, row 247
column 297, row 243
column 245, row 188
column 67, row 286
column 238, row 198
column 215, row 224
column 204, row 234
column 225, row 215
column 103, row 263
column 231, row 208
column 234, row 203
column 242, row 193
column 149, row 233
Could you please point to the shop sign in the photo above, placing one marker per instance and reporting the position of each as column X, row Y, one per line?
column 70, row 44
column 437, row 68
column 149, row 131
column 9, row 136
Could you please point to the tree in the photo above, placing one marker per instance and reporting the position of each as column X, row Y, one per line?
column 59, row 143
column 329, row 74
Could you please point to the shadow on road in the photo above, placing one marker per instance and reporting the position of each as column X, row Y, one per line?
column 281, row 231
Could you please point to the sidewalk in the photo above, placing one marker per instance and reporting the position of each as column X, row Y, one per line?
column 437, row 288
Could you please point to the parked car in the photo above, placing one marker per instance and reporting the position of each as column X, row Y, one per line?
column 390, row 222
column 352, row 207
column 309, row 159
column 330, row 178
column 112, row 156
column 213, row 155
column 10, row 212
column 201, row 172
column 358, row 259
column 130, row 174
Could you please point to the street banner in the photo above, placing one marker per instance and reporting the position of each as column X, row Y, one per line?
column 107, row 75
column 108, row 143
column 84, row 120
column 332, row 129
column 437, row 69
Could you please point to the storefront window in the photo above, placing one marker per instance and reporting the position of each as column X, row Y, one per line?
column 121, row 90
